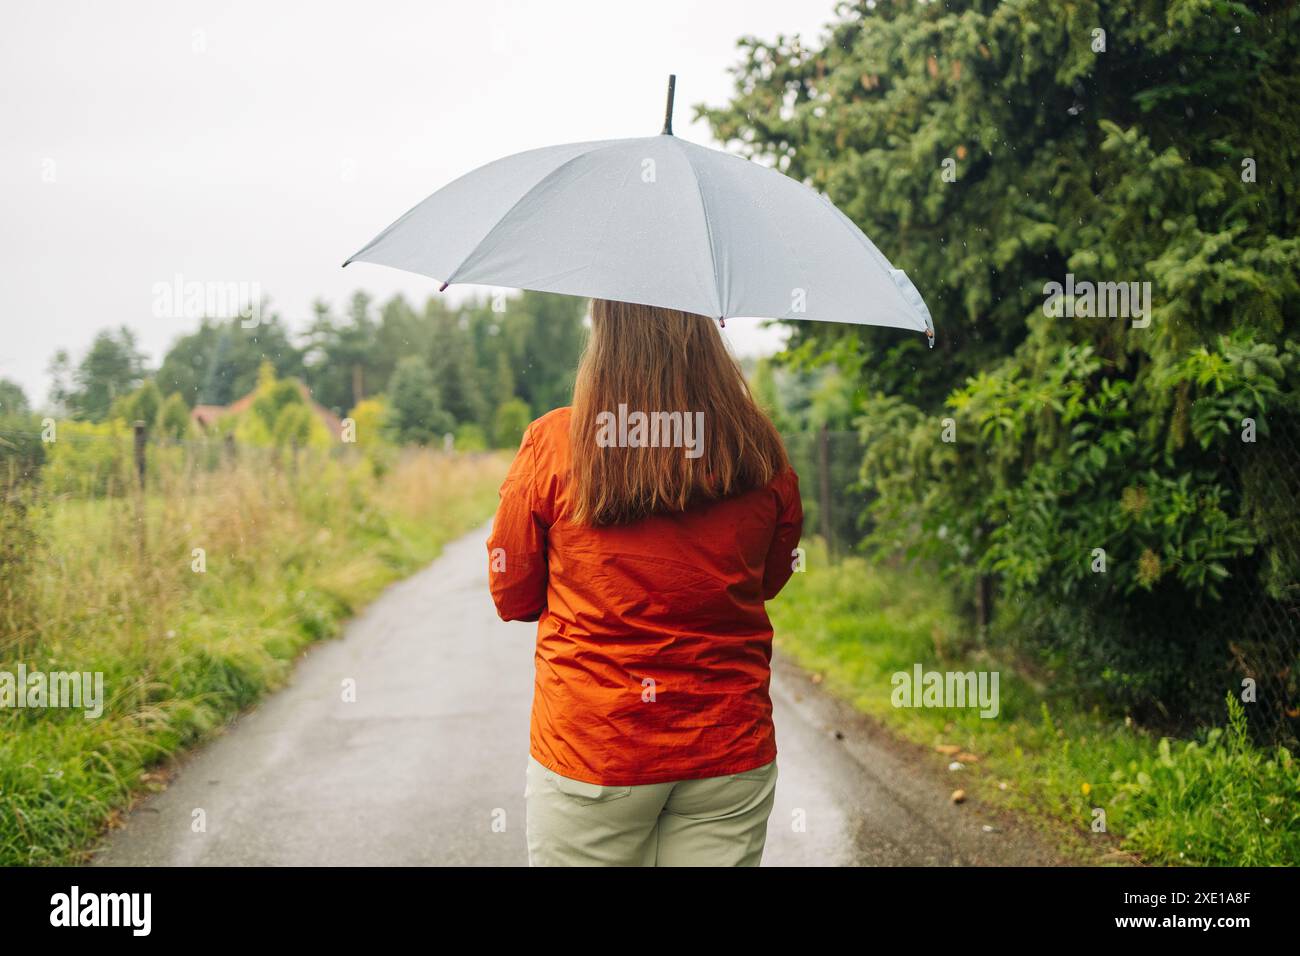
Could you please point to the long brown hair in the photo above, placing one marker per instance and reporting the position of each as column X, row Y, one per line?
column 659, row 361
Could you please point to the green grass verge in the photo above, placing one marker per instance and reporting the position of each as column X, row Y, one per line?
column 288, row 560
column 1213, row 800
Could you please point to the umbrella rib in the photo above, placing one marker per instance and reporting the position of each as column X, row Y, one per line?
column 515, row 205
column 708, row 232
column 865, row 242
column 392, row 226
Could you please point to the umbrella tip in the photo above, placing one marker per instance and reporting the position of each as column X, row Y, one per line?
column 443, row 287
column 668, row 110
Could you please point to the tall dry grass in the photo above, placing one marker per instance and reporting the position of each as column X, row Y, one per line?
column 288, row 548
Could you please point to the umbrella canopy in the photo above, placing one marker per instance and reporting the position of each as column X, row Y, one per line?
column 654, row 220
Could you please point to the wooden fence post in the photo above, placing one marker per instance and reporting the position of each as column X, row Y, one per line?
column 824, row 490
column 983, row 606
column 140, row 518
column 139, row 451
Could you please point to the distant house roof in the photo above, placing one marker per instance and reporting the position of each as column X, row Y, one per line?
column 205, row 416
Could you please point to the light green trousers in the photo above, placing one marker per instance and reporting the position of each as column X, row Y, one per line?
column 716, row 821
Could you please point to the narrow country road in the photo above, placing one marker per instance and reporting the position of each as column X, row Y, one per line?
column 432, row 753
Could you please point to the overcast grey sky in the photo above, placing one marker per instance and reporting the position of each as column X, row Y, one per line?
column 264, row 142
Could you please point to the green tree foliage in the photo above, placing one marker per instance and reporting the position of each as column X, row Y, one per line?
column 370, row 417
column 89, row 459
column 766, row 393
column 990, row 149
column 544, row 335
column 274, row 396
column 453, row 364
column 470, row 437
column 280, row 415
column 218, row 363
column 341, row 359
column 141, row 405
column 167, row 418
column 22, row 453
column 293, row 426
column 402, row 331
column 415, row 414
column 517, row 352
column 508, row 425
column 13, row 400
column 174, row 418
column 504, row 384
column 113, row 367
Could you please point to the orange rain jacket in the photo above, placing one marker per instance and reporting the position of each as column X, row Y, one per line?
column 653, row 644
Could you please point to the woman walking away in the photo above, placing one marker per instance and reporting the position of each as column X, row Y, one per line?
column 643, row 529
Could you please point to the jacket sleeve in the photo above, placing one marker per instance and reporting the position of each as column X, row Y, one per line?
column 789, row 528
column 517, row 544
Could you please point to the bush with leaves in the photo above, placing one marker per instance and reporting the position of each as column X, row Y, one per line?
column 509, row 423
column 470, row 437
column 89, row 460
column 415, row 414
column 992, row 149
column 174, row 418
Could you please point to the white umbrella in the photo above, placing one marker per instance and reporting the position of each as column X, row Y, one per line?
column 658, row 221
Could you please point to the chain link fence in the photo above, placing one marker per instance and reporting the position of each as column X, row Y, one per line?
column 1259, row 616
column 1251, row 634
column 828, row 464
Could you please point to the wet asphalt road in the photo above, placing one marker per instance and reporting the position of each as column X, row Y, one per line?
column 426, row 766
